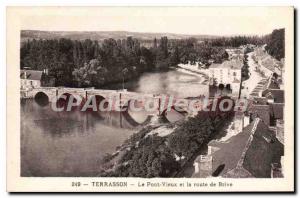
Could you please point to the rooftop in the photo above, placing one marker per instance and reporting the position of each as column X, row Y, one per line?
column 277, row 94
column 274, row 84
column 247, row 154
column 230, row 152
column 261, row 111
column 276, row 110
column 260, row 100
column 269, row 63
column 236, row 81
column 231, row 64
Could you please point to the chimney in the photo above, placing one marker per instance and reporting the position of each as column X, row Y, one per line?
column 205, row 166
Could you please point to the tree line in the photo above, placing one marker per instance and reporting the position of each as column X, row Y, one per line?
column 275, row 44
column 87, row 63
column 236, row 41
column 75, row 63
column 84, row 63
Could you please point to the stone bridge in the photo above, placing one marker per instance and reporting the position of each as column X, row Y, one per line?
column 159, row 103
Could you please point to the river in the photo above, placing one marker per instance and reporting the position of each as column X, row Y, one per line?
column 73, row 143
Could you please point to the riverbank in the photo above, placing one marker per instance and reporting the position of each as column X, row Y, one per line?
column 194, row 69
column 118, row 84
column 112, row 163
column 202, row 73
column 177, row 82
column 164, row 150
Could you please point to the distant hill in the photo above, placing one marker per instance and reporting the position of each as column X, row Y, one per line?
column 101, row 35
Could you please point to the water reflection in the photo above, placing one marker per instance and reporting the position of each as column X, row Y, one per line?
column 73, row 143
column 68, row 143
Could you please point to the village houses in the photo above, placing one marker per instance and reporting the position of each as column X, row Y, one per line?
column 227, row 75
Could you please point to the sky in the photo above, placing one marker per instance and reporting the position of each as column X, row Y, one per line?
column 180, row 20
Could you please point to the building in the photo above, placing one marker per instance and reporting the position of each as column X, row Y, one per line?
column 266, row 64
column 30, row 79
column 227, row 75
column 269, row 107
column 248, row 154
column 235, row 53
column 274, row 95
column 261, row 111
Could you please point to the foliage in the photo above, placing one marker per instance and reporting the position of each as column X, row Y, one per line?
column 151, row 158
column 90, row 74
column 275, row 44
column 76, row 63
column 189, row 137
column 83, row 63
column 237, row 41
column 245, row 69
column 154, row 156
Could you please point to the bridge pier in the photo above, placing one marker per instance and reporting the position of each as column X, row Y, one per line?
column 123, row 98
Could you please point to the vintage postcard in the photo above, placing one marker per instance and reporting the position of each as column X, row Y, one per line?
column 150, row 99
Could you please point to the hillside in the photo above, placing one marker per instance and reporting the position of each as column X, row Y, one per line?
column 101, row 35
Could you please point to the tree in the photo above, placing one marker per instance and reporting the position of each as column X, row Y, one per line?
column 219, row 55
column 275, row 44
column 163, row 46
column 178, row 144
column 90, row 74
column 175, row 58
column 156, row 168
column 155, row 43
column 124, row 72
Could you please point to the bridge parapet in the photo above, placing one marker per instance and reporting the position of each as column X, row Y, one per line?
column 154, row 101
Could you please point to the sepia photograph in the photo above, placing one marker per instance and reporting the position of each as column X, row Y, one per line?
column 166, row 93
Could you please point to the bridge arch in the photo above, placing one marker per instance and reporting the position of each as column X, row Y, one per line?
column 66, row 97
column 41, row 98
column 173, row 115
column 101, row 102
column 141, row 116
column 135, row 120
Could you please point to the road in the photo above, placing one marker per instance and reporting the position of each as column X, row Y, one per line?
column 254, row 78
